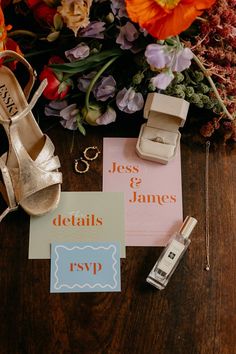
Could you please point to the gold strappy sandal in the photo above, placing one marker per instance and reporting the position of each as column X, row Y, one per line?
column 30, row 176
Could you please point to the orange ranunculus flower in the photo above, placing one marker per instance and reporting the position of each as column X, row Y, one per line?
column 165, row 18
column 7, row 43
column 3, row 30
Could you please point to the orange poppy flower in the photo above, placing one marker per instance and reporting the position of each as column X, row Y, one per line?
column 165, row 18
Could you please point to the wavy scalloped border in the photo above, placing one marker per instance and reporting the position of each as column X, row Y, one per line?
column 86, row 284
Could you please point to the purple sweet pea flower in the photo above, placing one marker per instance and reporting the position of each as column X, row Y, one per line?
column 157, row 55
column 106, row 88
column 129, row 101
column 182, row 59
column 162, row 80
column 128, row 34
column 95, row 29
column 165, row 56
column 81, row 51
column 118, row 8
column 68, row 115
column 170, row 58
column 61, row 110
column 108, row 117
column 54, row 107
column 84, row 81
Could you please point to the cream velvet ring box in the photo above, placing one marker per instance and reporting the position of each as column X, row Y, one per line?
column 159, row 137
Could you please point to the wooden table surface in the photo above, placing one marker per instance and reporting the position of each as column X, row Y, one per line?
column 195, row 314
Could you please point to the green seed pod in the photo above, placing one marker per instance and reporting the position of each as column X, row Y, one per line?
column 189, row 91
column 110, row 18
column 179, row 91
column 151, row 87
column 137, row 78
column 203, row 88
column 179, row 77
column 198, row 75
column 195, row 98
column 205, row 99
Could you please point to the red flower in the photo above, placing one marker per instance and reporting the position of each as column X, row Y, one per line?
column 43, row 14
column 32, row 3
column 57, row 88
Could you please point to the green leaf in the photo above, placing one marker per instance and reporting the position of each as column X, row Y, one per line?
column 81, row 128
column 87, row 63
column 59, row 76
column 53, row 36
column 79, row 120
column 57, row 22
column 62, row 87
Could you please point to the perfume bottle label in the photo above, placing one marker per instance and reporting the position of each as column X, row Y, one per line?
column 169, row 259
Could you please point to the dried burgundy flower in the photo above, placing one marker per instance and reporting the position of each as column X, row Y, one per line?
column 207, row 130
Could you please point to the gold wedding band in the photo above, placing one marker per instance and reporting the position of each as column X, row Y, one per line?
column 159, row 139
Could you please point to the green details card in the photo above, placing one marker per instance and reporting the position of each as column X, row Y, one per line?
column 80, row 217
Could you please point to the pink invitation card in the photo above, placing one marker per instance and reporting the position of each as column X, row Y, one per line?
column 152, row 191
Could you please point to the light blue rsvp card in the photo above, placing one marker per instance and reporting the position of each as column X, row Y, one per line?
column 85, row 267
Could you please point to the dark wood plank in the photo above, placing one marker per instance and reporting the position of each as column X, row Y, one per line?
column 195, row 314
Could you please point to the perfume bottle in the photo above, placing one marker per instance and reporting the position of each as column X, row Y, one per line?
column 171, row 255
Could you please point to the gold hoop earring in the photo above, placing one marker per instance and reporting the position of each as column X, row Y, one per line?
column 89, row 149
column 83, row 161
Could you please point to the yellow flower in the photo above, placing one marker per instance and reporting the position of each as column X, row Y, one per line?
column 75, row 13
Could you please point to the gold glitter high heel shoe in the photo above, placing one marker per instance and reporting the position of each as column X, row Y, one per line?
column 30, row 176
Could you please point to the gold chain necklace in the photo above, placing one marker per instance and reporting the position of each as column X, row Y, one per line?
column 207, row 232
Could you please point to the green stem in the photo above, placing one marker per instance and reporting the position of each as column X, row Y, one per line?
column 221, row 103
column 32, row 54
column 72, row 142
column 94, row 80
column 22, row 33
column 178, row 41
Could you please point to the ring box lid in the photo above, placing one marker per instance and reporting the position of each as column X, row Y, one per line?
column 165, row 112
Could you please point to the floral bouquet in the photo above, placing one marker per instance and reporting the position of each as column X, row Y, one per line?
column 104, row 56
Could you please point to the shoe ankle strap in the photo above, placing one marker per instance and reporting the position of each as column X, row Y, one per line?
column 32, row 72
column 14, row 119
